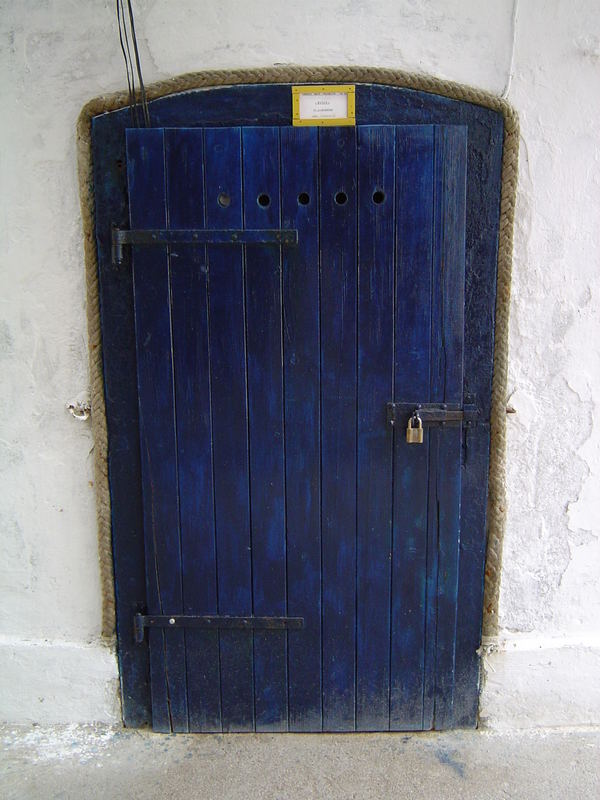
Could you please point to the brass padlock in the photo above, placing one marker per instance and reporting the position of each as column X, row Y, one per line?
column 414, row 431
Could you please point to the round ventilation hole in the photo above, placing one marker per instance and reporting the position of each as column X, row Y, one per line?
column 263, row 200
column 341, row 198
column 224, row 200
column 303, row 199
column 378, row 196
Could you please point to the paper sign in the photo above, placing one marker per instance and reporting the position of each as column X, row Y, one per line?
column 323, row 105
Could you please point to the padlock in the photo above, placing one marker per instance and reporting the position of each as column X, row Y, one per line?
column 414, row 431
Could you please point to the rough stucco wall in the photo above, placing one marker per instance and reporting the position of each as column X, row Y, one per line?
column 550, row 595
column 552, row 547
column 55, row 55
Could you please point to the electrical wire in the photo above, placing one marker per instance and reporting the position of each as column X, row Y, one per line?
column 127, row 59
column 140, row 114
column 145, row 110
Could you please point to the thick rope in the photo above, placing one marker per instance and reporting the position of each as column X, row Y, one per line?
column 294, row 74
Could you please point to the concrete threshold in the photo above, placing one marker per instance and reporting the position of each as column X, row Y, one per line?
column 74, row 761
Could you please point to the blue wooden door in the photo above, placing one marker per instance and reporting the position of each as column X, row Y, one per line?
column 274, row 487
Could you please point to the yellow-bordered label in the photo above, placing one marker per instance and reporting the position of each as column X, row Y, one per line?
column 323, row 105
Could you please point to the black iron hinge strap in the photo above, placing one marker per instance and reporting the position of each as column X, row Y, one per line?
column 159, row 236
column 210, row 621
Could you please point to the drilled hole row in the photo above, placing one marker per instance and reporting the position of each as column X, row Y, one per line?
column 264, row 200
column 341, row 198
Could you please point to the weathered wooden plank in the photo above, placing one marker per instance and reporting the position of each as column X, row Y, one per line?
column 376, row 237
column 447, row 386
column 261, row 178
column 184, row 156
column 223, row 192
column 431, row 584
column 476, row 445
column 338, row 422
column 300, row 210
column 115, row 288
column 412, row 357
column 447, row 492
column 146, row 180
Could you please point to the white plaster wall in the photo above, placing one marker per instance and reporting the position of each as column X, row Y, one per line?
column 55, row 55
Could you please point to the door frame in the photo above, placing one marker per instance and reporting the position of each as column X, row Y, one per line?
column 270, row 104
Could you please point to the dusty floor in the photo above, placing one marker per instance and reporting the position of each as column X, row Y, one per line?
column 96, row 762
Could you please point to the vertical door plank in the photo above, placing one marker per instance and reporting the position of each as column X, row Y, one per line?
column 376, row 180
column 431, row 590
column 260, row 148
column 447, row 386
column 146, row 181
column 300, row 210
column 189, row 302
column 476, row 448
column 223, row 179
column 414, row 221
column 338, row 422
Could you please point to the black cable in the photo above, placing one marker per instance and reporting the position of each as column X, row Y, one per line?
column 134, row 96
column 145, row 110
column 140, row 114
column 128, row 64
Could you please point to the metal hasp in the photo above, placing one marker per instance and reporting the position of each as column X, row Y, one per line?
column 398, row 414
column 141, row 621
column 122, row 236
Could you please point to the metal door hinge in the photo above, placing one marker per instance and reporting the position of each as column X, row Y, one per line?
column 212, row 622
column 123, row 236
column 399, row 414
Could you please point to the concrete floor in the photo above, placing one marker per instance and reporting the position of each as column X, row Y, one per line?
column 92, row 762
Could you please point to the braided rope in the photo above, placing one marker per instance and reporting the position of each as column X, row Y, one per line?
column 295, row 74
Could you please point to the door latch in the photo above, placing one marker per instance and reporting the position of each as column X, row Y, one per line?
column 416, row 416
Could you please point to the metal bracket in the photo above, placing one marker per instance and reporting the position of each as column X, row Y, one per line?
column 123, row 236
column 398, row 414
column 212, row 622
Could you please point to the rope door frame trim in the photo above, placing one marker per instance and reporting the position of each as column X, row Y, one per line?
column 496, row 508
